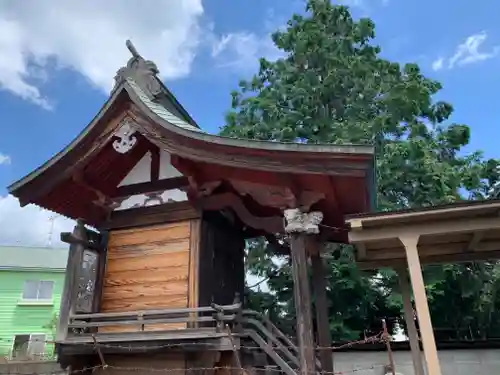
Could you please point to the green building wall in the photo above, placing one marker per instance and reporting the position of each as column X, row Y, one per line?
column 21, row 317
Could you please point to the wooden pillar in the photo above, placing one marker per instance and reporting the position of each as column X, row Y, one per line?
column 299, row 226
column 410, row 321
column 68, row 298
column 410, row 243
column 322, row 323
column 302, row 299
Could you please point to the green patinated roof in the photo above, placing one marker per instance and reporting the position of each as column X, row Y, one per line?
column 160, row 110
column 20, row 257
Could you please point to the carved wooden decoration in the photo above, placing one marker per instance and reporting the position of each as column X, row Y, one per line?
column 86, row 282
column 300, row 222
column 125, row 134
column 280, row 197
column 270, row 224
column 152, row 199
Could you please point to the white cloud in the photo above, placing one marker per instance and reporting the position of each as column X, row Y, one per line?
column 89, row 36
column 241, row 51
column 438, row 64
column 471, row 51
column 30, row 225
column 4, row 159
column 468, row 52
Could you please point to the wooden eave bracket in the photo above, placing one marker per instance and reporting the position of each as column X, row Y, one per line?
column 71, row 239
column 271, row 224
column 102, row 200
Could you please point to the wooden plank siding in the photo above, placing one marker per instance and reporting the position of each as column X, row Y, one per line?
column 153, row 267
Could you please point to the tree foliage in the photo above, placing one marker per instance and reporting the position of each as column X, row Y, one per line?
column 332, row 86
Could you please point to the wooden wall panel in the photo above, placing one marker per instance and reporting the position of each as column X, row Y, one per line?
column 222, row 271
column 148, row 268
column 194, row 263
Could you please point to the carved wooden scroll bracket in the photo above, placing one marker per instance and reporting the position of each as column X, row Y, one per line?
column 271, row 224
column 281, row 197
column 102, row 200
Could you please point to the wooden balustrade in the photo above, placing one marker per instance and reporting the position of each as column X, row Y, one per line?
column 81, row 325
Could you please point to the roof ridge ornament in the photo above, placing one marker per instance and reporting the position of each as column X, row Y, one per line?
column 142, row 72
column 132, row 49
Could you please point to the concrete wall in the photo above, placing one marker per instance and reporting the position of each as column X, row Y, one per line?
column 31, row 368
column 453, row 362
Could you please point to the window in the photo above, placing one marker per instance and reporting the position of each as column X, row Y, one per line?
column 28, row 346
column 38, row 290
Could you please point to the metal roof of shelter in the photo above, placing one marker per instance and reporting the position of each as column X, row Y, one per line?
column 463, row 231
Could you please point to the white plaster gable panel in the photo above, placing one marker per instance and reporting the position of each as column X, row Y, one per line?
column 141, row 172
column 142, row 200
column 167, row 170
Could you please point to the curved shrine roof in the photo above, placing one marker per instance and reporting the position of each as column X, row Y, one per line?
column 344, row 174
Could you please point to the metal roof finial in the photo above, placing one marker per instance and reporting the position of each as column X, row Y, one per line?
column 132, row 48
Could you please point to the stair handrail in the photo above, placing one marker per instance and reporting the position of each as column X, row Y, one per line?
column 285, row 367
column 275, row 343
column 274, row 330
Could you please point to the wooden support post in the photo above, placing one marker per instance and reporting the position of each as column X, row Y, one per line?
column 100, row 273
column 69, row 295
column 322, row 323
column 387, row 340
column 410, row 321
column 410, row 243
column 302, row 303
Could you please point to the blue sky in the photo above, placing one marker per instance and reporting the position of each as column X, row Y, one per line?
column 57, row 63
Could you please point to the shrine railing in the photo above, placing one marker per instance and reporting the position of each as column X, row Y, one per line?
column 221, row 320
column 215, row 317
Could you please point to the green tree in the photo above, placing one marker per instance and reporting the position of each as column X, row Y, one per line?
column 332, row 86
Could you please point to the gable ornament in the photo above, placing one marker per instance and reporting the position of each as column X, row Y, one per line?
column 126, row 138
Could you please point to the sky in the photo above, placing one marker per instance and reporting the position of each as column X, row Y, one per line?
column 58, row 60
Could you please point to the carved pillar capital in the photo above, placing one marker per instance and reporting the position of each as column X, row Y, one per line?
column 302, row 222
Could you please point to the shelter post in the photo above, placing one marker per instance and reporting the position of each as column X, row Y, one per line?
column 322, row 325
column 410, row 242
column 410, row 320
